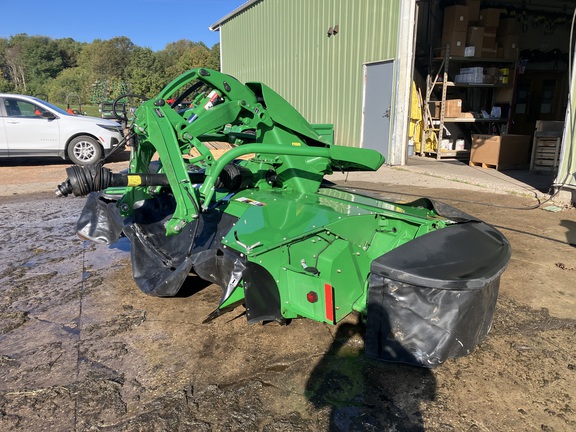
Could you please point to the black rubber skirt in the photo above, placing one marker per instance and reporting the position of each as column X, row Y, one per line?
column 434, row 297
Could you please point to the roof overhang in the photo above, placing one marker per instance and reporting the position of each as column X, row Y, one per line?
column 216, row 26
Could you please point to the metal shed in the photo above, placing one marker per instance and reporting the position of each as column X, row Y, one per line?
column 337, row 61
column 351, row 63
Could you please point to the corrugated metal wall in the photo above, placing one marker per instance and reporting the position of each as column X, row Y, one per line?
column 284, row 44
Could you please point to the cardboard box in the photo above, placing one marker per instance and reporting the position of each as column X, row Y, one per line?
column 492, row 71
column 456, row 18
column 504, row 95
column 508, row 26
column 453, row 108
column 489, row 52
column 457, row 42
column 509, row 46
column 490, row 31
column 492, row 75
column 475, row 38
column 473, row 10
column 489, row 42
column 490, row 79
column 489, row 17
column 500, row 152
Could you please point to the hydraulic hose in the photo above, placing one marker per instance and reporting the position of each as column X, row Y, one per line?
column 94, row 178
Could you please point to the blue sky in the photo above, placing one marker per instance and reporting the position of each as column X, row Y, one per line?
column 148, row 23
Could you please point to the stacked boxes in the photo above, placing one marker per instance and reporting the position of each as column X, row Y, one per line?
column 482, row 33
column 473, row 10
column 470, row 75
column 489, row 19
column 492, row 75
column 507, row 26
column 478, row 75
column 475, row 39
column 507, row 37
column 455, row 28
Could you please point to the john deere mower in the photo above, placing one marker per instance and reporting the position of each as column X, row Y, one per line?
column 281, row 241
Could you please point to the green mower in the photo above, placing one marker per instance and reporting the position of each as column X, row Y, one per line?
column 282, row 242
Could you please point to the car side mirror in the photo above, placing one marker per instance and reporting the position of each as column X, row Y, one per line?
column 48, row 115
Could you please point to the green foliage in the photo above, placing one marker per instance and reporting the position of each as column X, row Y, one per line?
column 31, row 62
column 70, row 81
column 106, row 60
column 145, row 73
column 6, row 86
column 95, row 71
column 41, row 56
column 214, row 57
column 69, row 51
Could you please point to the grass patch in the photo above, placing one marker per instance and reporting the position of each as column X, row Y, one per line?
column 89, row 110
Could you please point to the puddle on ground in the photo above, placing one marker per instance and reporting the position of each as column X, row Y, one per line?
column 100, row 256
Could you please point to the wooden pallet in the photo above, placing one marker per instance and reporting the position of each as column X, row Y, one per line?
column 499, row 167
column 545, row 154
column 546, row 146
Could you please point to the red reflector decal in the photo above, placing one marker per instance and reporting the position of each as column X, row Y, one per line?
column 312, row 297
column 329, row 299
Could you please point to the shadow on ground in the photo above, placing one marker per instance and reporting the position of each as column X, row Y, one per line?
column 364, row 394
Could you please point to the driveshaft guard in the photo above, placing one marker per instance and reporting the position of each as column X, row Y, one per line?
column 434, row 298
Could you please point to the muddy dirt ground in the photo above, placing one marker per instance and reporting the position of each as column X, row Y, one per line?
column 82, row 349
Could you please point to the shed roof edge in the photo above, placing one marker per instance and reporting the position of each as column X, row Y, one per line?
column 216, row 26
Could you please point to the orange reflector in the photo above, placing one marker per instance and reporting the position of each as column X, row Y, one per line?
column 329, row 299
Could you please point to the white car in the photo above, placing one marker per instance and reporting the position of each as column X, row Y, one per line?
column 32, row 127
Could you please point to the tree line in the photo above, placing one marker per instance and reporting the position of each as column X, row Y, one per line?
column 56, row 69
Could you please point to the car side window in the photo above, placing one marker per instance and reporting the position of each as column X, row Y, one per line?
column 12, row 108
column 19, row 108
column 38, row 111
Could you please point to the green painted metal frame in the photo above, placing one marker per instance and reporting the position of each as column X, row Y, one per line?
column 161, row 129
column 316, row 242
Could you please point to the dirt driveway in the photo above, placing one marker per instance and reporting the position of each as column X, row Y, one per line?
column 82, row 349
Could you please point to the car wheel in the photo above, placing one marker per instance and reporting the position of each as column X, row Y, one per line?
column 84, row 150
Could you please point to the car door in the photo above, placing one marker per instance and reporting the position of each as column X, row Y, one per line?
column 27, row 133
column 3, row 142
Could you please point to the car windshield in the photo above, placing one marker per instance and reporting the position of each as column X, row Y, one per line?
column 53, row 107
